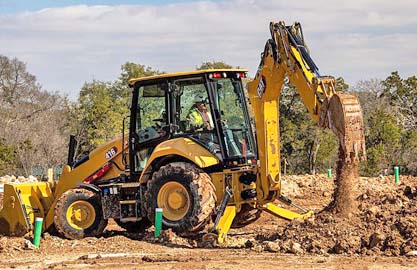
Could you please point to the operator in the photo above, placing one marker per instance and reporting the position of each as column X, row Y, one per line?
column 198, row 116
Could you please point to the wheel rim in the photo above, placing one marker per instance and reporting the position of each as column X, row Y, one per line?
column 81, row 215
column 174, row 199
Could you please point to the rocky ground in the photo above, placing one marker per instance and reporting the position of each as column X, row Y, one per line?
column 380, row 234
column 19, row 179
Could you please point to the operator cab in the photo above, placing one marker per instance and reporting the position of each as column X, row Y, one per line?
column 207, row 106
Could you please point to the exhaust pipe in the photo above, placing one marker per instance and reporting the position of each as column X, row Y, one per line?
column 71, row 149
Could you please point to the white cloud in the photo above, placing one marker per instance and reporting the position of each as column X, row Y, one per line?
column 66, row 46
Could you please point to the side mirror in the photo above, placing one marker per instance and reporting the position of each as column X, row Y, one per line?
column 176, row 90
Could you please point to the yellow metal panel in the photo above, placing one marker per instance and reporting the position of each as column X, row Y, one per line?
column 219, row 185
column 285, row 213
column 230, row 178
column 185, row 148
column 184, row 73
column 266, row 111
column 97, row 158
column 302, row 79
column 264, row 93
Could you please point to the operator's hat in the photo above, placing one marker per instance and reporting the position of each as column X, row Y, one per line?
column 199, row 98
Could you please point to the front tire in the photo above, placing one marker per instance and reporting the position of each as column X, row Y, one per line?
column 186, row 195
column 78, row 214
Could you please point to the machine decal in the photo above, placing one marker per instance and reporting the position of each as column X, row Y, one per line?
column 111, row 153
column 261, row 87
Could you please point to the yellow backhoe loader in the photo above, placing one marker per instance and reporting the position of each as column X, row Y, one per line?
column 191, row 150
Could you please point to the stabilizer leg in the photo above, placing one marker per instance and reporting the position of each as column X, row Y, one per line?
column 285, row 213
column 223, row 221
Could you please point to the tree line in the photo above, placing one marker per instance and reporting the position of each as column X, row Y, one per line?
column 36, row 124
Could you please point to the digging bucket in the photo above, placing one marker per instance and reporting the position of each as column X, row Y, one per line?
column 342, row 114
column 22, row 204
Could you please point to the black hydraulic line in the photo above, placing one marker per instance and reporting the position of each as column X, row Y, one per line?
column 294, row 40
column 282, row 30
column 287, row 201
column 226, row 197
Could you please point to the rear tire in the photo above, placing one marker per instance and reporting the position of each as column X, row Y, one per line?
column 186, row 195
column 246, row 216
column 78, row 214
column 134, row 227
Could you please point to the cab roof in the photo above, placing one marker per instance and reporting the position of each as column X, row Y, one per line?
column 183, row 73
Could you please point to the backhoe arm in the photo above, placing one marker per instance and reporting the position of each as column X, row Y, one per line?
column 286, row 56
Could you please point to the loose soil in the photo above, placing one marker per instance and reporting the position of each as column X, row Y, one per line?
column 343, row 115
column 343, row 203
column 381, row 234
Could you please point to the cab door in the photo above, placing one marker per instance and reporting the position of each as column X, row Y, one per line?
column 149, row 122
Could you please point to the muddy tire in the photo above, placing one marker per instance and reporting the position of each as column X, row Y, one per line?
column 186, row 195
column 246, row 216
column 134, row 227
column 78, row 214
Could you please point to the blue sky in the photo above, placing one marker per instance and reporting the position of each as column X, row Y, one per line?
column 73, row 42
column 14, row 6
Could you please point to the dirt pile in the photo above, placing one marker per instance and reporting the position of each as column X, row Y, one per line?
column 15, row 180
column 385, row 223
column 12, row 245
column 170, row 238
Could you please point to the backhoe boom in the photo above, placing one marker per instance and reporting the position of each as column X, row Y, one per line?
column 287, row 56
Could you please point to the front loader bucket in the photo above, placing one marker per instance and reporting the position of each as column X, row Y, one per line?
column 22, row 203
column 342, row 114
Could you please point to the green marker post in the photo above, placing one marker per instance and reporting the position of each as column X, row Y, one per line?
column 158, row 222
column 397, row 174
column 38, row 231
column 329, row 173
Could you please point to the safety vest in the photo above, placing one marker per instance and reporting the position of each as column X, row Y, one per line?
column 196, row 120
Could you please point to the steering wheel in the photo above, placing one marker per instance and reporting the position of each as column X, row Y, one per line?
column 158, row 122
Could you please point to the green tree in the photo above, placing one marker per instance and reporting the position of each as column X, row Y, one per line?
column 131, row 70
column 213, row 65
column 99, row 115
column 408, row 152
column 402, row 95
column 305, row 146
column 102, row 106
column 383, row 142
column 8, row 158
column 33, row 121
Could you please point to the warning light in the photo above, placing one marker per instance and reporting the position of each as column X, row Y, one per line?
column 241, row 75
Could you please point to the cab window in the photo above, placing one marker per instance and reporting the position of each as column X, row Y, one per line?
column 151, row 112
